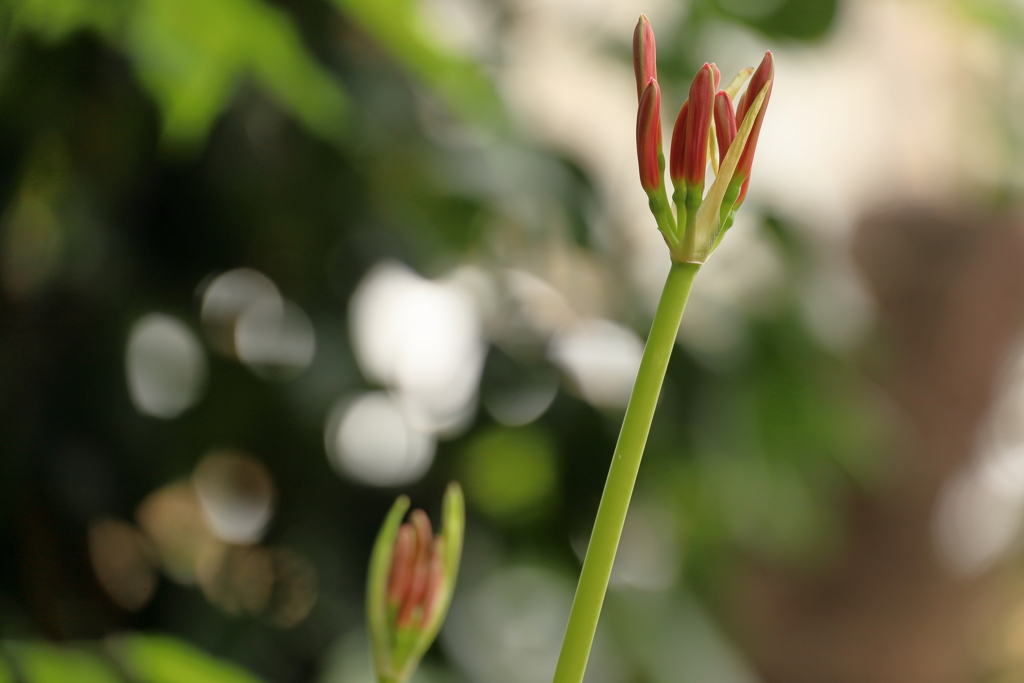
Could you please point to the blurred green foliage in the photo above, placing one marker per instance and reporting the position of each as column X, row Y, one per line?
column 511, row 474
column 143, row 659
column 792, row 19
column 191, row 56
column 53, row 664
column 458, row 81
column 779, row 457
column 158, row 659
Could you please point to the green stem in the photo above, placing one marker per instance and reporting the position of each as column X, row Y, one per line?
column 611, row 514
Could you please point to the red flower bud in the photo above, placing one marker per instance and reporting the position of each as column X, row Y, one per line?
column 645, row 65
column 402, row 565
column 764, row 75
column 688, row 157
column 648, row 138
column 725, row 123
column 420, row 569
column 434, row 580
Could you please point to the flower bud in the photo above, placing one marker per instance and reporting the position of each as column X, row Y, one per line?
column 402, row 563
column 763, row 76
column 410, row 584
column 725, row 123
column 648, row 139
column 688, row 155
column 688, row 158
column 645, row 66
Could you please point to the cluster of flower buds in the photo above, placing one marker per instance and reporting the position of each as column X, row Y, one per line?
column 410, row 584
column 705, row 130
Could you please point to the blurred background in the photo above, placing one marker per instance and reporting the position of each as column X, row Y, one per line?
column 265, row 264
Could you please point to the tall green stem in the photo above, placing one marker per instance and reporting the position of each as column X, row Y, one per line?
column 611, row 514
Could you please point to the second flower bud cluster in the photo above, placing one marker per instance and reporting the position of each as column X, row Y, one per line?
column 410, row 583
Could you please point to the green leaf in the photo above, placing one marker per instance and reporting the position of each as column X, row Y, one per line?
column 161, row 659
column 44, row 663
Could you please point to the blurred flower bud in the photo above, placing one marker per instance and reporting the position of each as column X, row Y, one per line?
column 645, row 65
column 411, row 580
column 648, row 139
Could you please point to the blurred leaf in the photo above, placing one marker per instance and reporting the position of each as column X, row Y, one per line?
column 192, row 54
column 799, row 19
column 44, row 663
column 54, row 20
column 1003, row 17
column 147, row 659
column 160, row 659
column 460, row 82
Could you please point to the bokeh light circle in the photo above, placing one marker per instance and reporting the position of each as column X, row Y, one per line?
column 236, row 495
column 228, row 296
column 369, row 439
column 275, row 339
column 165, row 366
